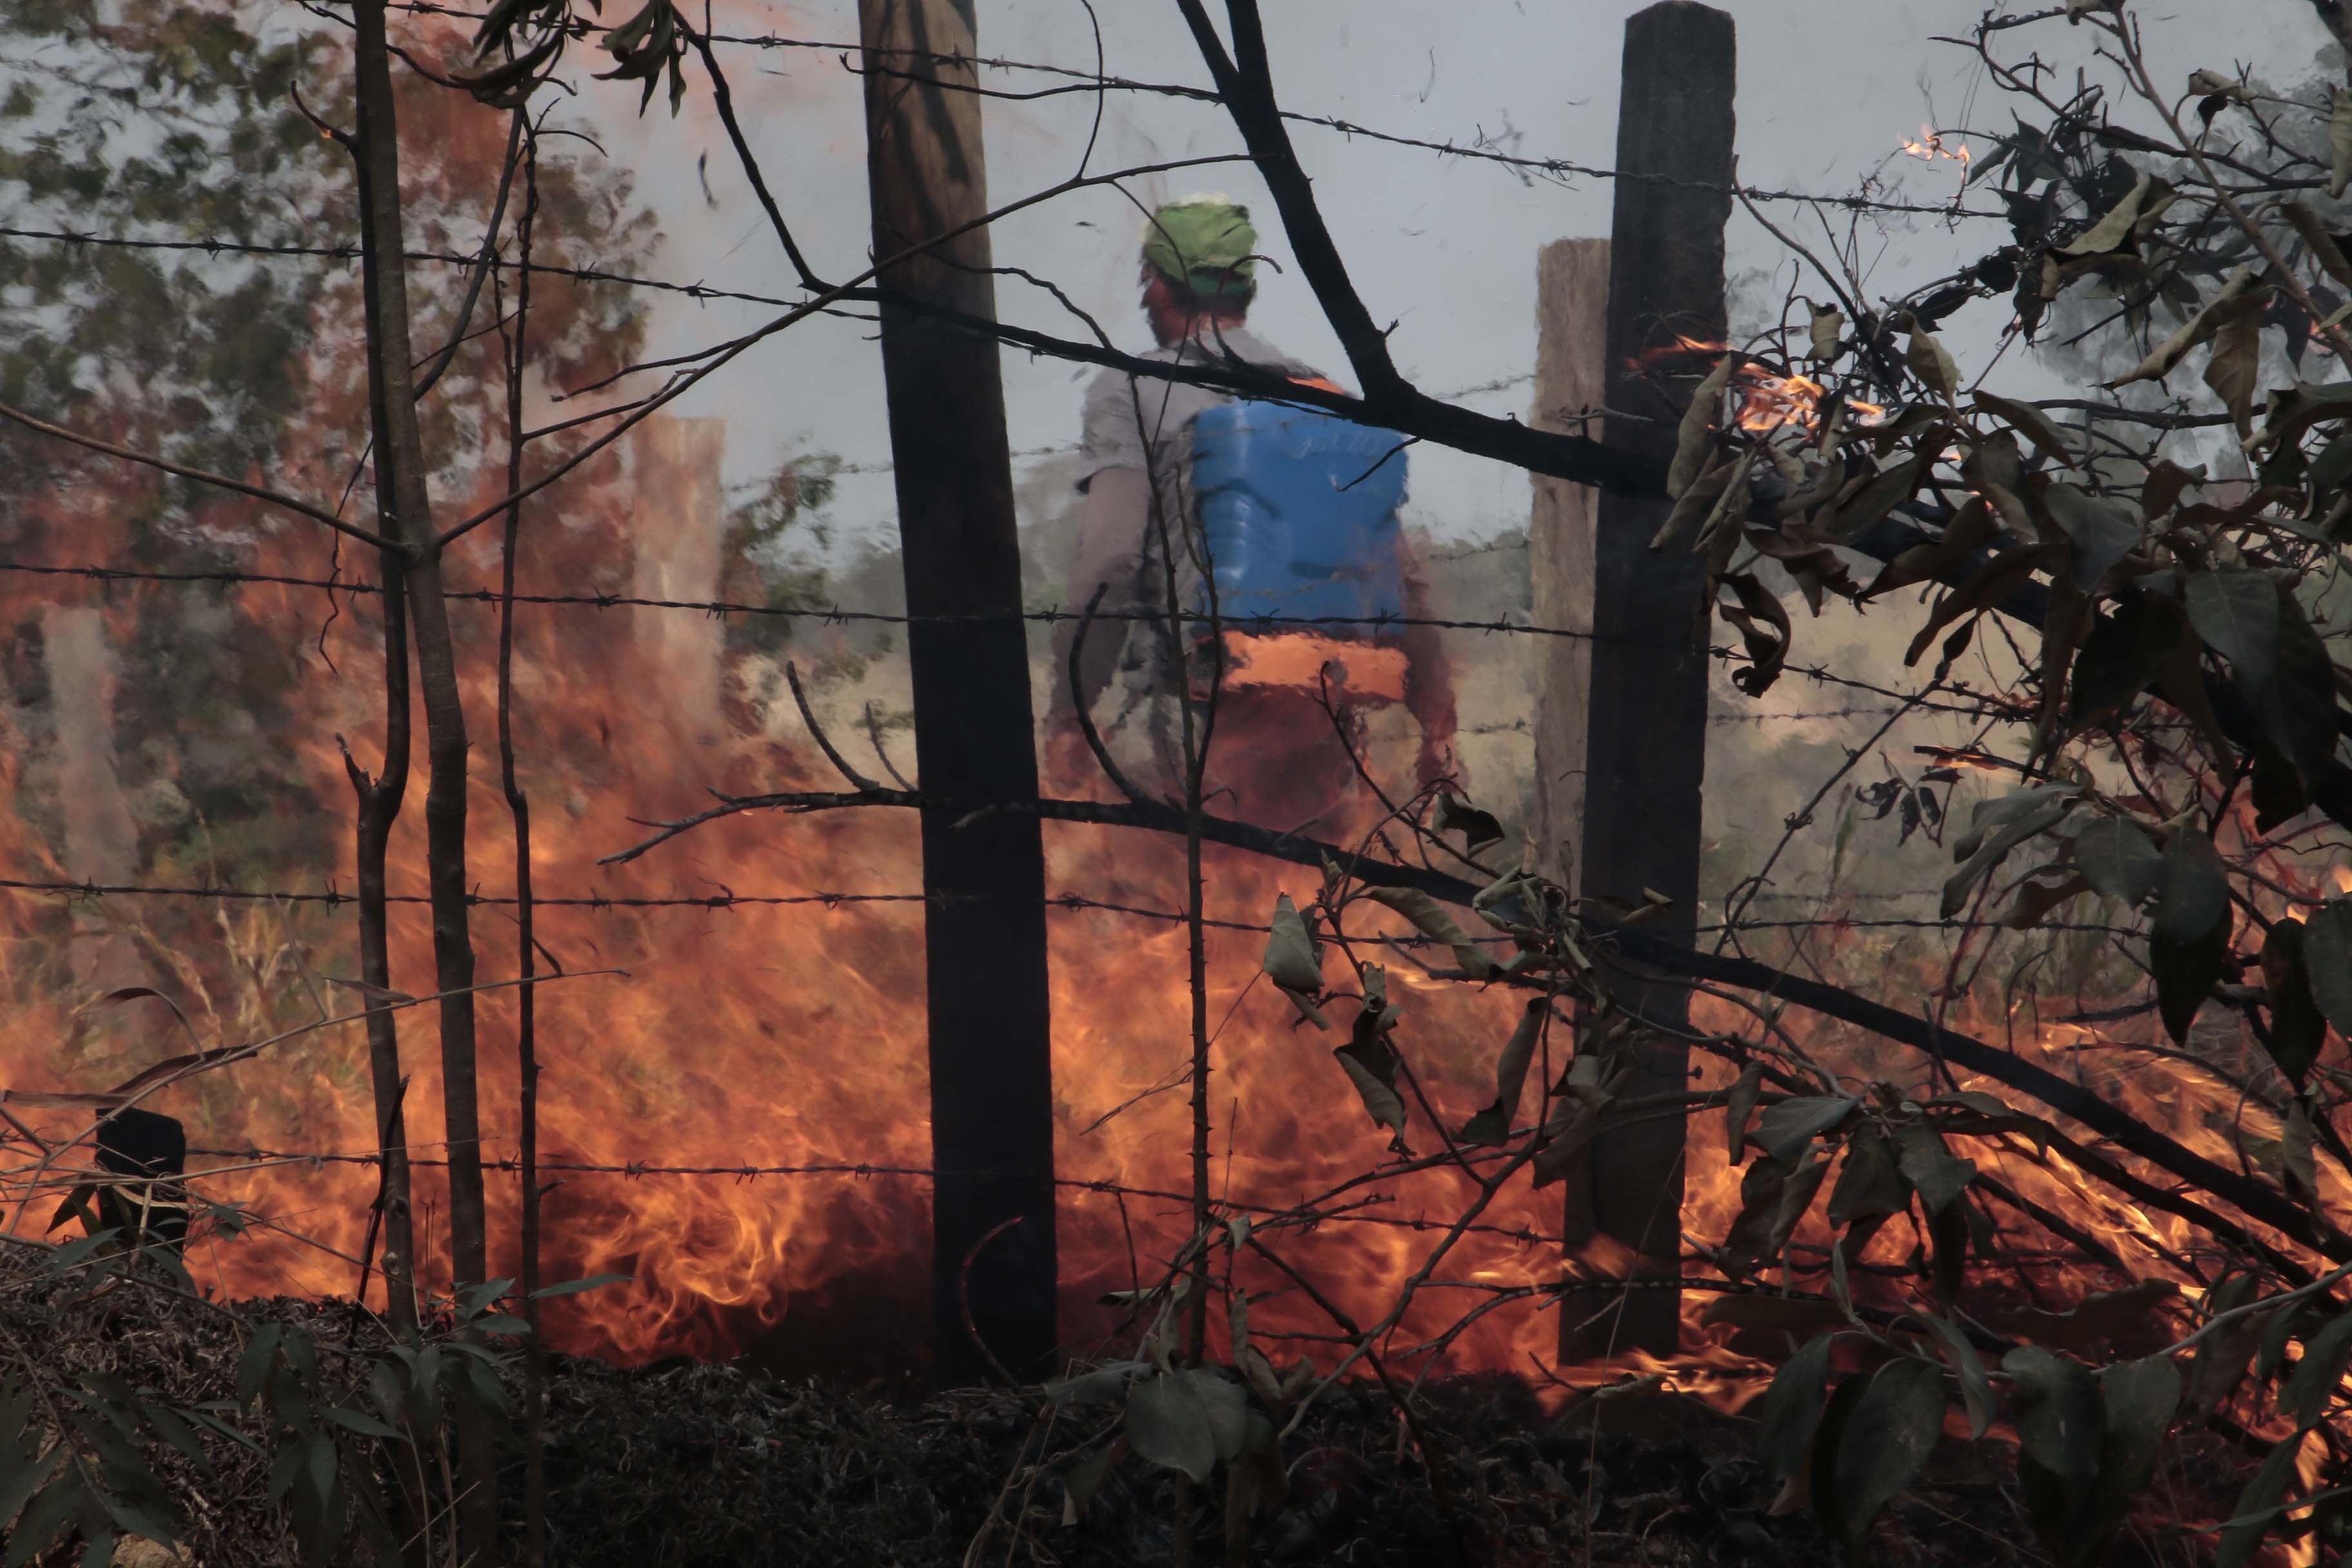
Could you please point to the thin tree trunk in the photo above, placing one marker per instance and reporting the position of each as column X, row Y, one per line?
column 984, row 880
column 399, row 445
column 534, row 1381
column 380, row 799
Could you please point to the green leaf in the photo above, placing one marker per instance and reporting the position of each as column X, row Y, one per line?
column 2118, row 860
column 1786, row 1127
column 2137, row 1399
column 2037, row 811
column 2059, row 1421
column 253, row 1368
column 44, row 1518
column 2186, row 972
column 133, row 1519
column 366, row 1425
column 321, row 1469
column 2327, row 962
column 2262, row 1495
column 2312, row 1385
column 2103, row 531
column 2188, row 940
column 1791, row 1409
column 1797, row 1195
column 1103, row 1385
column 1492, row 1126
column 2297, row 1028
column 1886, row 1441
column 1430, row 917
column 474, row 1300
column 2237, row 614
column 573, row 1287
column 166, row 1424
column 2193, row 896
column 1739, row 1105
column 26, row 1468
column 1932, row 1168
column 1087, row 1478
column 1967, row 1371
column 2122, row 654
column 2295, row 706
column 1871, row 1182
column 1174, row 1420
column 1828, row 1440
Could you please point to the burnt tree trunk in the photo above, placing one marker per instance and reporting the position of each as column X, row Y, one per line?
column 984, row 883
column 1646, row 739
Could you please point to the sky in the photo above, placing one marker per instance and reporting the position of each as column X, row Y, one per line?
column 1829, row 91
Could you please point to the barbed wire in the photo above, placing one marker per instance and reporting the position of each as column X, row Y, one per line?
column 350, row 250
column 1073, row 902
column 637, row 1169
column 1480, row 150
column 1987, row 706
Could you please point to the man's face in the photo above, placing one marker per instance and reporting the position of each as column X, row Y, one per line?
column 1172, row 319
column 1168, row 319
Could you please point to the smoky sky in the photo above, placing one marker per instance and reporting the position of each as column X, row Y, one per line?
column 1443, row 247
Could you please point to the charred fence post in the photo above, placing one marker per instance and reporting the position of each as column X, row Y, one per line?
column 984, row 878
column 1646, row 735
column 149, row 1153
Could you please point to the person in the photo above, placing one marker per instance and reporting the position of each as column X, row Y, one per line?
column 1199, row 280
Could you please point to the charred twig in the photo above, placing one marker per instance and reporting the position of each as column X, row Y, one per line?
column 963, row 1298
column 874, row 735
column 824, row 742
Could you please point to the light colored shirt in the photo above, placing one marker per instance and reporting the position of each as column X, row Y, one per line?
column 1133, row 422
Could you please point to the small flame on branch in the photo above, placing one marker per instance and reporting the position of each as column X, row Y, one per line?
column 1761, row 401
column 1930, row 146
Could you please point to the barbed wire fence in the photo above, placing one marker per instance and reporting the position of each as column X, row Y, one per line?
column 1989, row 707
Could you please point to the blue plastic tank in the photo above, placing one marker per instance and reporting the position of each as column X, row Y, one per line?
column 1298, row 511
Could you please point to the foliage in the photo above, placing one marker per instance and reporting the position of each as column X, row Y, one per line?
column 353, row 1435
column 758, row 563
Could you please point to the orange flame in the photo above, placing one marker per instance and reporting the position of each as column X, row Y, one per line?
column 1930, row 146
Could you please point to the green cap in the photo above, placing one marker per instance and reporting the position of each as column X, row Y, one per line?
column 1205, row 243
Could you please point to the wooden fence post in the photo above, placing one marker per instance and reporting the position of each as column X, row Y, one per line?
column 1646, row 735
column 984, row 921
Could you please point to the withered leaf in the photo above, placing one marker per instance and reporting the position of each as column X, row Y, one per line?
column 1492, row 1126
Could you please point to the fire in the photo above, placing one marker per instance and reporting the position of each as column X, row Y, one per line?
column 1762, row 402
column 1930, row 146
column 760, row 1037
column 1765, row 402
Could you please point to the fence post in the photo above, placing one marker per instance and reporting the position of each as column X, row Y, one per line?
column 1647, row 734
column 984, row 923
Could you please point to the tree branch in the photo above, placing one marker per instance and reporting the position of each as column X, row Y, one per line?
column 2264, row 1204
column 180, row 470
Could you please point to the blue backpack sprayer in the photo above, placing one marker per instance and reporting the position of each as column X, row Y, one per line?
column 1298, row 513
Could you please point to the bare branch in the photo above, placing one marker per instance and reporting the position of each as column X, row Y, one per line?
column 180, row 470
